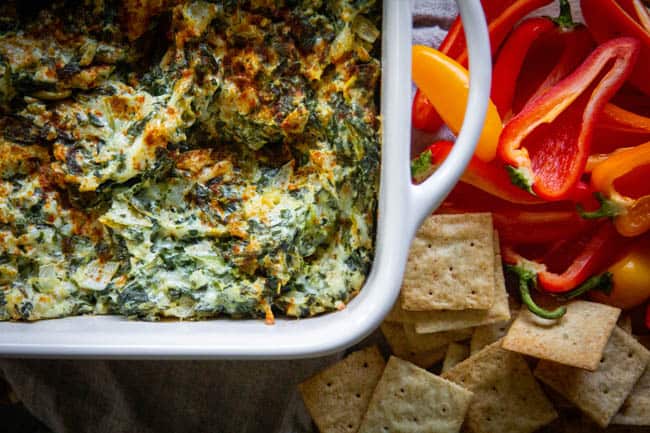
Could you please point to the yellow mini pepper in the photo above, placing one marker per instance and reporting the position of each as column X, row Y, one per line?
column 445, row 83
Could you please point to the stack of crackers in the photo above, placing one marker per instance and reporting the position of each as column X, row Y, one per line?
column 453, row 283
column 496, row 374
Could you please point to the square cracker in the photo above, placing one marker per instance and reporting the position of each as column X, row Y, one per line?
column 600, row 393
column 396, row 339
column 507, row 398
column 488, row 334
column 433, row 341
column 576, row 339
column 460, row 319
column 636, row 408
column 451, row 264
column 409, row 399
column 338, row 396
column 456, row 353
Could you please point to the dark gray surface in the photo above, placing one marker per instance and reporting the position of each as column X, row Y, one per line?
column 147, row 396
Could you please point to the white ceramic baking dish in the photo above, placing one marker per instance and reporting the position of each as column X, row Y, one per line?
column 402, row 207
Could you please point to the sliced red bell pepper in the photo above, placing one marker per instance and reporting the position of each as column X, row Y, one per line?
column 637, row 10
column 501, row 26
column 573, row 261
column 593, row 255
column 547, row 143
column 454, row 43
column 616, row 129
column 423, row 116
column 519, row 224
column 647, row 317
column 632, row 99
column 542, row 68
column 511, row 58
column 618, row 119
column 532, row 226
column 607, row 19
column 535, row 43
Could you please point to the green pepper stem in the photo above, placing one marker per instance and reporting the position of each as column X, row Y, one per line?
column 520, row 179
column 526, row 279
column 607, row 209
column 565, row 19
column 601, row 282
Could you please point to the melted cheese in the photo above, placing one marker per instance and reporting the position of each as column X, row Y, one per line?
column 229, row 169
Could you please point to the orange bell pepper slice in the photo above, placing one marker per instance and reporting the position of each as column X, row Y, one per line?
column 632, row 214
column 445, row 83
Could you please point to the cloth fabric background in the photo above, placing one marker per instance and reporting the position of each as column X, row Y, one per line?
column 80, row 396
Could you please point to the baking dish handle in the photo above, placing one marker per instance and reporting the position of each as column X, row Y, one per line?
column 428, row 195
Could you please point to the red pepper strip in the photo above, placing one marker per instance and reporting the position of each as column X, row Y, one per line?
column 618, row 119
column 454, row 43
column 637, row 10
column 606, row 19
column 647, row 317
column 631, row 99
column 577, row 45
column 423, row 116
column 489, row 177
column 510, row 60
column 617, row 129
column 503, row 24
column 519, row 227
column 528, row 64
column 519, row 224
column 548, row 141
column 592, row 257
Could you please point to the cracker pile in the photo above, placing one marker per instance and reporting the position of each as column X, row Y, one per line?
column 501, row 368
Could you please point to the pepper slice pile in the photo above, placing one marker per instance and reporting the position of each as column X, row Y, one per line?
column 538, row 33
column 547, row 143
column 568, row 186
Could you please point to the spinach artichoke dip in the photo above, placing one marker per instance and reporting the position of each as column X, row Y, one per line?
column 186, row 159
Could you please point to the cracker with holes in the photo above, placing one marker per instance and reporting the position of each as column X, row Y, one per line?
column 451, row 264
column 488, row 334
column 636, row 408
column 576, row 339
column 507, row 398
column 600, row 393
column 338, row 396
column 396, row 339
column 436, row 340
column 409, row 399
column 447, row 320
column 456, row 353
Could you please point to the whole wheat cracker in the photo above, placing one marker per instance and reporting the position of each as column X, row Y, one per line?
column 600, row 393
column 507, row 398
column 338, row 396
column 636, row 408
column 451, row 264
column 456, row 353
column 460, row 319
column 396, row 339
column 408, row 399
column 436, row 340
column 577, row 339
